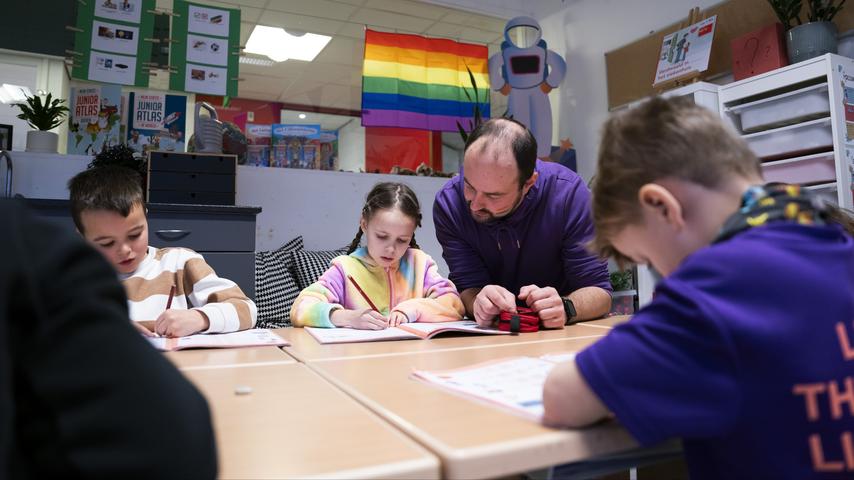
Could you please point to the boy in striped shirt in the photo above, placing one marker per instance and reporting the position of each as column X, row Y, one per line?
column 109, row 211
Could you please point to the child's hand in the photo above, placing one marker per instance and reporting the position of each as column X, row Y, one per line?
column 396, row 318
column 180, row 323
column 360, row 319
column 143, row 330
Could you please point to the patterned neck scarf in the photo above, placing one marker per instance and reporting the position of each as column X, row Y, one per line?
column 773, row 202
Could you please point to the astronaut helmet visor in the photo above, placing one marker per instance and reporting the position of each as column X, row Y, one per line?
column 524, row 36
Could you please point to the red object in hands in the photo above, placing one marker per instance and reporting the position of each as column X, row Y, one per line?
column 524, row 320
column 758, row 52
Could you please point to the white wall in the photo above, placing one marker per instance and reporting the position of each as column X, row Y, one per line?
column 324, row 207
column 582, row 32
column 351, row 146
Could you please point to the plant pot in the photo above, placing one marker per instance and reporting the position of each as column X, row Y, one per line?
column 41, row 141
column 810, row 40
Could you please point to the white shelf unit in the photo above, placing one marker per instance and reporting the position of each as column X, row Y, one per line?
column 794, row 119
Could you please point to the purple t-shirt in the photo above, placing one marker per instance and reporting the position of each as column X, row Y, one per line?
column 541, row 243
column 737, row 354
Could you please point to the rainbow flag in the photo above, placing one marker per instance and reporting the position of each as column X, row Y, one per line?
column 417, row 82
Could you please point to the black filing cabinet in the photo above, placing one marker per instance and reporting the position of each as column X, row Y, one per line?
column 223, row 234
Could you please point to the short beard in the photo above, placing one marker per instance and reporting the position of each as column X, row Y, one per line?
column 492, row 218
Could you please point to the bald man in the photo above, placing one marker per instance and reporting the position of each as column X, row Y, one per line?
column 513, row 231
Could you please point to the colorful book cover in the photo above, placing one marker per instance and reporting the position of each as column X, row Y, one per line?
column 94, row 119
column 258, row 139
column 295, row 146
column 156, row 122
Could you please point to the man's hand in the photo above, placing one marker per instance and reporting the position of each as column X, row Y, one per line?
column 545, row 87
column 546, row 302
column 180, row 323
column 505, row 90
column 367, row 319
column 491, row 301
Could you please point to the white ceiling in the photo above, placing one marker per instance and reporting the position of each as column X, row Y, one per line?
column 334, row 78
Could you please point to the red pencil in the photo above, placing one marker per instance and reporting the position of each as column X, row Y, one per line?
column 171, row 296
column 364, row 295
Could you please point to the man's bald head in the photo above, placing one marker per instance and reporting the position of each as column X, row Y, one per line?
column 500, row 135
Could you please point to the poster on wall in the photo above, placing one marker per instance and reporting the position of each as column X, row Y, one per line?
column 156, row 121
column 686, row 51
column 258, row 139
column 328, row 150
column 295, row 146
column 94, row 119
column 110, row 45
column 205, row 57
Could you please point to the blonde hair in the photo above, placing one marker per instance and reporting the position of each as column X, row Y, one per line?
column 661, row 138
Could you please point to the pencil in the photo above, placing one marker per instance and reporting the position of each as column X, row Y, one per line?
column 364, row 295
column 171, row 296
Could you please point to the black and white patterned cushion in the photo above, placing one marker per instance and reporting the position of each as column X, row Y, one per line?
column 310, row 265
column 275, row 285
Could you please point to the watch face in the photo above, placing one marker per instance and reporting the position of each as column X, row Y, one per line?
column 569, row 308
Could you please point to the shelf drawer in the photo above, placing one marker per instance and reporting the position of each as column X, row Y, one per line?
column 237, row 267
column 202, row 232
column 191, row 197
column 791, row 107
column 792, row 141
column 193, row 163
column 193, row 182
column 809, row 171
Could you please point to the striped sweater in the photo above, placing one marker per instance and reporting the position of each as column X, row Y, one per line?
column 197, row 286
column 413, row 287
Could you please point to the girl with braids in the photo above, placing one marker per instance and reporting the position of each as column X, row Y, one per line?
column 388, row 281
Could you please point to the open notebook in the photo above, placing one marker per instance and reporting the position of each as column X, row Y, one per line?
column 406, row 331
column 514, row 384
column 256, row 337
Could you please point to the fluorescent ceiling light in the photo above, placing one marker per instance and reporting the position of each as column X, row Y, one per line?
column 280, row 45
column 14, row 93
column 301, row 116
column 261, row 62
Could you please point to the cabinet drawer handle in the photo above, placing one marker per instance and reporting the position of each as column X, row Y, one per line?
column 172, row 234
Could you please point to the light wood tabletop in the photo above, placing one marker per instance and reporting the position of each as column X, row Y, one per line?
column 473, row 440
column 227, row 357
column 305, row 348
column 285, row 421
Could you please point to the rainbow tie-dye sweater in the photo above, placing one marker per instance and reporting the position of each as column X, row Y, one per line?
column 414, row 288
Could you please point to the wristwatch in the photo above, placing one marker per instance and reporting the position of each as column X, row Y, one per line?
column 569, row 309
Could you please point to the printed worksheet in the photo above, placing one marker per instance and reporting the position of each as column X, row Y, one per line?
column 515, row 384
column 256, row 337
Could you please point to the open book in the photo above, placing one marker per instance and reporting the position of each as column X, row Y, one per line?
column 514, row 384
column 406, row 331
column 256, row 337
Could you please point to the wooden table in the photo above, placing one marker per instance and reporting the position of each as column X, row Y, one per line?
column 228, row 357
column 294, row 424
column 471, row 439
column 306, row 349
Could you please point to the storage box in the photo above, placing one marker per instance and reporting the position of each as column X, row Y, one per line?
column 194, row 178
column 623, row 302
column 758, row 52
column 811, row 170
column 789, row 108
column 792, row 141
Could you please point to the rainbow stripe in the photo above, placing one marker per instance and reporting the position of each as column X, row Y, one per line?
column 417, row 82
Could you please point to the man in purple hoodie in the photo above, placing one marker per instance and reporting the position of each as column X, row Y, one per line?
column 513, row 227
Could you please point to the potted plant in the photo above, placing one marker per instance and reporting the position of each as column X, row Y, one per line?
column 42, row 116
column 811, row 39
column 623, row 296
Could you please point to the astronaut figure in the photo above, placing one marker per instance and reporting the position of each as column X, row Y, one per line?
column 527, row 70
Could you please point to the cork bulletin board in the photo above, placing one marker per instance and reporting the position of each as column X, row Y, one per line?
column 631, row 69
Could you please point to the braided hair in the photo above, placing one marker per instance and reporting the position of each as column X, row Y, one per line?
column 387, row 196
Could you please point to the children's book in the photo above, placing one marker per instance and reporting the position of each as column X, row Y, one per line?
column 406, row 331
column 513, row 384
column 256, row 337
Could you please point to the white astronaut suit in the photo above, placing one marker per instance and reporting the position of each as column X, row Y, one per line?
column 530, row 72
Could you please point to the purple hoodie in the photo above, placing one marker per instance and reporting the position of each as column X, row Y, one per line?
column 541, row 243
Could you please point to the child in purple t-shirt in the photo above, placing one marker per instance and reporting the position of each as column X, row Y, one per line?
column 747, row 350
